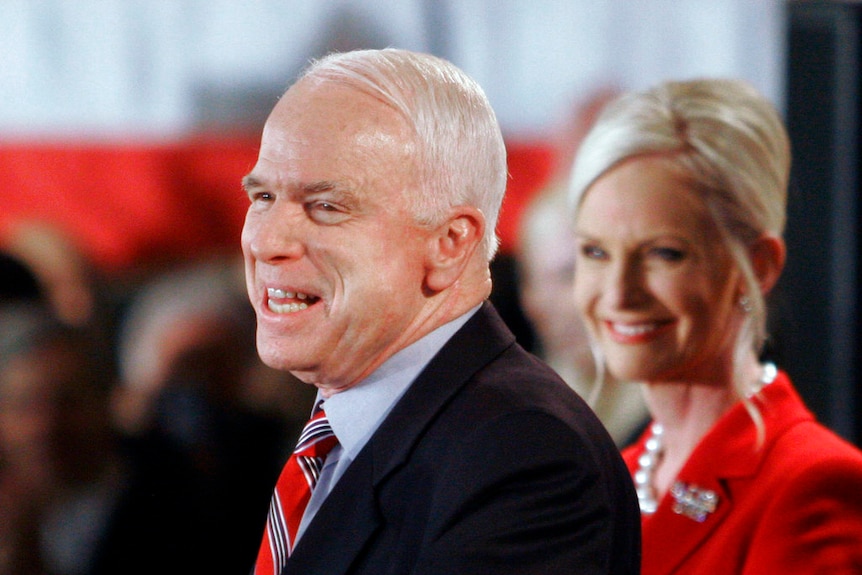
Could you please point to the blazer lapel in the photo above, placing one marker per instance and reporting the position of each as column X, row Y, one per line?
column 478, row 342
column 677, row 535
column 349, row 517
column 343, row 524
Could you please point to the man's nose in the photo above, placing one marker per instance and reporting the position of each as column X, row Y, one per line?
column 275, row 235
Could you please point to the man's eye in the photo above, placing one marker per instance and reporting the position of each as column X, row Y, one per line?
column 262, row 197
column 326, row 212
column 322, row 206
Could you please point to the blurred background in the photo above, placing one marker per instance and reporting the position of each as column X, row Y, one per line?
column 126, row 126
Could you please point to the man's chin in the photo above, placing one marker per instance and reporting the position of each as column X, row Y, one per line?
column 304, row 376
column 275, row 358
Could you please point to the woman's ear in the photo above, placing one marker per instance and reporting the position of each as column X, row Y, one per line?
column 452, row 247
column 767, row 257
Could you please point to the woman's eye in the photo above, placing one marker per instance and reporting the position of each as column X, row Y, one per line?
column 593, row 252
column 668, row 254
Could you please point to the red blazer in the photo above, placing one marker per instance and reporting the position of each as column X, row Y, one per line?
column 792, row 506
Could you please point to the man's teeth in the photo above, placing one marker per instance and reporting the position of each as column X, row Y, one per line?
column 286, row 307
column 631, row 330
column 281, row 294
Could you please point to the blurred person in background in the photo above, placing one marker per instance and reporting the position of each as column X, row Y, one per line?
column 72, row 502
column 546, row 273
column 546, row 279
column 63, row 276
column 680, row 195
column 192, row 386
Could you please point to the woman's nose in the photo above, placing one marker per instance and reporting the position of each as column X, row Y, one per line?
column 627, row 287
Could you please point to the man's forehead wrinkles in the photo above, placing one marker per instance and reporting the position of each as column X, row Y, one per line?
column 320, row 187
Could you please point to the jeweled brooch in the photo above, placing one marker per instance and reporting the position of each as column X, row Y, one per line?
column 692, row 501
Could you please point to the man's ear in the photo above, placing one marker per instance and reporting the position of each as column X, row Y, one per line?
column 452, row 247
column 767, row 257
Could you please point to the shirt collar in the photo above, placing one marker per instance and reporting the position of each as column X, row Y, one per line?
column 356, row 413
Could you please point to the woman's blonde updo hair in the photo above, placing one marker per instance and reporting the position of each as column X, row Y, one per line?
column 731, row 145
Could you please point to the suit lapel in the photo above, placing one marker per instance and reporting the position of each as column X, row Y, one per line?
column 349, row 517
column 343, row 524
column 677, row 536
column 670, row 537
column 479, row 341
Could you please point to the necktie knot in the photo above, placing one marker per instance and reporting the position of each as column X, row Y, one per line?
column 317, row 438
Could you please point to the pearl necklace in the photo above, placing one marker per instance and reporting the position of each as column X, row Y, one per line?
column 654, row 449
column 647, row 462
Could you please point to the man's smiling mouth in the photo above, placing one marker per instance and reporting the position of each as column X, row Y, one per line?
column 282, row 301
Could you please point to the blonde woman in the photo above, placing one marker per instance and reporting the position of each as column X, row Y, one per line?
column 680, row 196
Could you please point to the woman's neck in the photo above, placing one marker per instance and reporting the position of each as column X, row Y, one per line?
column 687, row 411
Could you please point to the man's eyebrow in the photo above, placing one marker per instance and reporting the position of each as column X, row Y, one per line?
column 250, row 182
column 335, row 191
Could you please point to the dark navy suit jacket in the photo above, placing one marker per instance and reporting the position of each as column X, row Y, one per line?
column 488, row 464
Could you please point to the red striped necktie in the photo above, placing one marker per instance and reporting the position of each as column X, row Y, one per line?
column 292, row 492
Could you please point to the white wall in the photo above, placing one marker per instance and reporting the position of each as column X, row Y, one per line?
column 138, row 67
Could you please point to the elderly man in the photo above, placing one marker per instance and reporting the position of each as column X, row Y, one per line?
column 438, row 445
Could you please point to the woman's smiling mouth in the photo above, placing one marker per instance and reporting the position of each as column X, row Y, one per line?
column 636, row 332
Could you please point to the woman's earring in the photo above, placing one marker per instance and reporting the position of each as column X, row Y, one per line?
column 745, row 304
